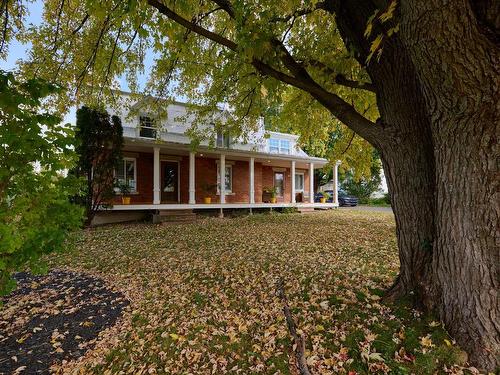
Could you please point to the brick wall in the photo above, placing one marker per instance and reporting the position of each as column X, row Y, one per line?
column 144, row 173
column 206, row 171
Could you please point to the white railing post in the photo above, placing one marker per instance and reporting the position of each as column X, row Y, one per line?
column 192, row 189
column 252, row 182
column 222, row 174
column 156, row 175
column 311, row 183
column 293, row 181
column 336, row 182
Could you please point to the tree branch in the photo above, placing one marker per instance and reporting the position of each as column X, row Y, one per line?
column 343, row 81
column 299, row 78
column 340, row 79
column 227, row 6
column 219, row 39
column 300, row 12
column 299, row 341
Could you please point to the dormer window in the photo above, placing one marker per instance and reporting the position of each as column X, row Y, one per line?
column 279, row 146
column 147, row 127
column 223, row 140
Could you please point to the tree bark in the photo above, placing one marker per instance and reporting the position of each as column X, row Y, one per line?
column 406, row 150
column 458, row 67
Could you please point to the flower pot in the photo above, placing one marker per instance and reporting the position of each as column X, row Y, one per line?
column 322, row 200
column 207, row 200
column 126, row 200
column 273, row 200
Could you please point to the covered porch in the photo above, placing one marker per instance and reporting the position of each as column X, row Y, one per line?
column 173, row 177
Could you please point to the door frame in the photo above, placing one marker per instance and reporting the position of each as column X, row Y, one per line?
column 283, row 172
column 171, row 160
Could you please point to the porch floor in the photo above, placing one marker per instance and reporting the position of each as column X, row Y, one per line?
column 211, row 206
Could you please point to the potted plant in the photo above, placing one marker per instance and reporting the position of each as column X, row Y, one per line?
column 209, row 190
column 125, row 192
column 324, row 197
column 269, row 194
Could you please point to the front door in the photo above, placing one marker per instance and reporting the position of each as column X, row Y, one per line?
column 169, row 182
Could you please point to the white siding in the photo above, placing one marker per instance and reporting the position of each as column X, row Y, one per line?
column 177, row 121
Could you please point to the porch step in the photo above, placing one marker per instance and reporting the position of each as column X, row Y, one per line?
column 176, row 212
column 305, row 209
column 174, row 216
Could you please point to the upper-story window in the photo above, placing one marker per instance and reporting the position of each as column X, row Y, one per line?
column 279, row 146
column 223, row 140
column 147, row 127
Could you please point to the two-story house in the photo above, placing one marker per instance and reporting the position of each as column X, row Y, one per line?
column 165, row 173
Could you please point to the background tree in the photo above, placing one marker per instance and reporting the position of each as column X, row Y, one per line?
column 99, row 141
column 35, row 211
column 435, row 85
column 363, row 187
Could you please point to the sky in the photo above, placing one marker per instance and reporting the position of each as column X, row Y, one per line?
column 18, row 51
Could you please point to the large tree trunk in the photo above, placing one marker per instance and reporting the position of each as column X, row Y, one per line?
column 406, row 150
column 408, row 160
column 458, row 66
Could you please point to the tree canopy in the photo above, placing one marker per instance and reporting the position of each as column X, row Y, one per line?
column 35, row 209
column 242, row 61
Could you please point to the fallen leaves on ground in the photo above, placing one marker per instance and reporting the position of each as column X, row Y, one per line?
column 42, row 322
column 203, row 297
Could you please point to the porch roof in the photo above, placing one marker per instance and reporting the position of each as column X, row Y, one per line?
column 185, row 148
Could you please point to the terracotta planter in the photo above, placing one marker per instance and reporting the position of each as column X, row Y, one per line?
column 273, row 200
column 207, row 200
column 126, row 200
column 322, row 200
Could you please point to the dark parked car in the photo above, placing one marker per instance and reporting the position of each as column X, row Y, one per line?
column 344, row 198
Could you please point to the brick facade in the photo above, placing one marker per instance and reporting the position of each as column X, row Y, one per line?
column 206, row 172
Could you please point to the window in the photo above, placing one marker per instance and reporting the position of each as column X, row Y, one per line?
column 126, row 173
column 223, row 140
column 299, row 182
column 279, row 183
column 229, row 179
column 279, row 146
column 274, row 145
column 147, row 127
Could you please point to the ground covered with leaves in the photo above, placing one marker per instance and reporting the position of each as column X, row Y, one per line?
column 54, row 318
column 203, row 298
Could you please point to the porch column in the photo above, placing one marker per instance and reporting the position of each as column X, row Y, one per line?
column 311, row 182
column 293, row 181
column 252, row 182
column 156, row 175
column 336, row 182
column 222, row 173
column 192, row 189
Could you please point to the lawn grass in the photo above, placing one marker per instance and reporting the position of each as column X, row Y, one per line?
column 203, row 296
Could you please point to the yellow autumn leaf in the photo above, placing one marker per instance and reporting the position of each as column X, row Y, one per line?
column 426, row 341
column 174, row 336
column 389, row 13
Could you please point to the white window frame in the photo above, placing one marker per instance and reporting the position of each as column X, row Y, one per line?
column 274, row 149
column 279, row 147
column 225, row 140
column 152, row 121
column 230, row 191
column 303, row 182
column 285, row 150
column 134, row 190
